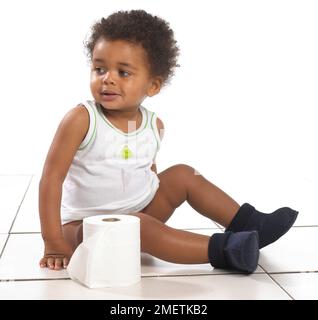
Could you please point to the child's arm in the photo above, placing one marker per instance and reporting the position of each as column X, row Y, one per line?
column 68, row 137
column 161, row 129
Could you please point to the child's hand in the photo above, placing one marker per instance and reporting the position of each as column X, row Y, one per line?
column 56, row 255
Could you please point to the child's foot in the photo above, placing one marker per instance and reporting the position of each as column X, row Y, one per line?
column 270, row 227
column 234, row 250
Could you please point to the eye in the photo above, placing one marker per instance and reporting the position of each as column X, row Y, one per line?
column 124, row 73
column 100, row 70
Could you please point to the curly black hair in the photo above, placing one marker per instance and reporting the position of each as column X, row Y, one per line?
column 140, row 27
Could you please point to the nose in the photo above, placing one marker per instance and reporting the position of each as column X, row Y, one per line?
column 108, row 78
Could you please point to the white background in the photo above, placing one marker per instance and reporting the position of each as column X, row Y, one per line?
column 241, row 108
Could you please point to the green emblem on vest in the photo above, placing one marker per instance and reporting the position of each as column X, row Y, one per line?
column 126, row 153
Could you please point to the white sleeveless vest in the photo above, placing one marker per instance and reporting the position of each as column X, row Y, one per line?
column 110, row 172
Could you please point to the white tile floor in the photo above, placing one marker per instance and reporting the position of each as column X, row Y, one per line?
column 287, row 269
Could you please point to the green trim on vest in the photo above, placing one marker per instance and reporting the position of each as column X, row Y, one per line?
column 153, row 131
column 140, row 129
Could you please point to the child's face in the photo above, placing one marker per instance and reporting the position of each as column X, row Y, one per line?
column 122, row 68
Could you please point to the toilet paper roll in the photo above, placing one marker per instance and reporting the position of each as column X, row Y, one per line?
column 109, row 255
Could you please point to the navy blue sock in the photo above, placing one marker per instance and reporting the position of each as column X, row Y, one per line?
column 234, row 250
column 270, row 227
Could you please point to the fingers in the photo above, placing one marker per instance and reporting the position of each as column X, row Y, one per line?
column 58, row 264
column 50, row 263
column 65, row 262
column 53, row 263
column 43, row 263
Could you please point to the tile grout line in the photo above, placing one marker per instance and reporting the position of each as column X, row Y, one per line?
column 292, row 272
column 27, row 189
column 8, row 235
column 281, row 286
column 30, row 279
column 26, row 232
column 5, row 244
column 306, row 226
column 169, row 276
column 142, row 276
column 276, row 282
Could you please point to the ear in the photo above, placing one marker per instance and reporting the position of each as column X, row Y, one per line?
column 154, row 86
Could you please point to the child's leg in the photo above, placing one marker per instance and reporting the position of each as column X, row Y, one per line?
column 223, row 250
column 157, row 239
column 171, row 244
column 181, row 183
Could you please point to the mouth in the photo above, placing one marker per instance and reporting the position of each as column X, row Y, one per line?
column 107, row 95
